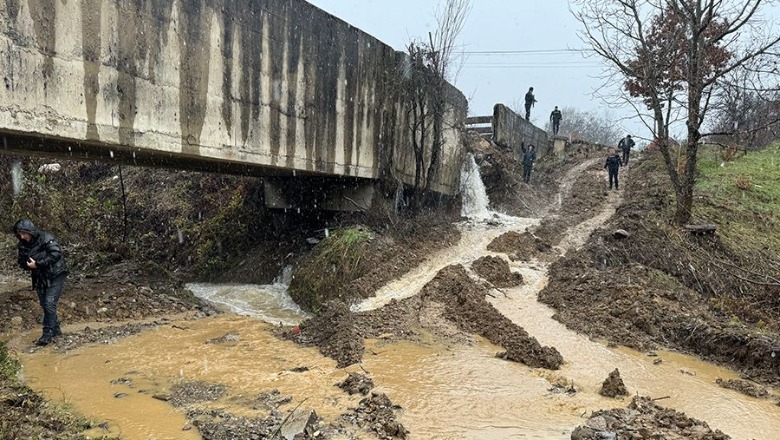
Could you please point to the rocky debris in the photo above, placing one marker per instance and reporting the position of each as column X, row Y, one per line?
column 744, row 387
column 299, row 424
column 643, row 419
column 496, row 271
column 377, row 414
column 465, row 304
column 613, row 386
column 356, row 383
column 186, row 393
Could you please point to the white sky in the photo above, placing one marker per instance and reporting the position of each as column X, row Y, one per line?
column 541, row 36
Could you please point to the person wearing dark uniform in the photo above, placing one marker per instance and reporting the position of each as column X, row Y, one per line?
column 39, row 253
column 625, row 146
column 555, row 118
column 529, row 157
column 530, row 100
column 613, row 166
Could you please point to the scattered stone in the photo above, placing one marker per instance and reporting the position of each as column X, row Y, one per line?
column 613, row 386
column 163, row 397
column 643, row 419
column 621, row 233
column 230, row 337
column 120, row 395
column 300, row 423
column 16, row 322
column 356, row 383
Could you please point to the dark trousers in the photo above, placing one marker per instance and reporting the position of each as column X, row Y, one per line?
column 613, row 177
column 625, row 156
column 556, row 126
column 527, row 112
column 527, row 172
column 49, row 296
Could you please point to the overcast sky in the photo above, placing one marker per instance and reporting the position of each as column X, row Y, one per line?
column 539, row 40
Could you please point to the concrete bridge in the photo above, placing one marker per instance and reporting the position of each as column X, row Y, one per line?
column 274, row 88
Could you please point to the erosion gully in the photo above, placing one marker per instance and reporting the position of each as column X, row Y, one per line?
column 446, row 391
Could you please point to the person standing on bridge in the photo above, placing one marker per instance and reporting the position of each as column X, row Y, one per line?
column 555, row 118
column 39, row 253
column 530, row 100
column 625, row 146
column 613, row 166
column 529, row 157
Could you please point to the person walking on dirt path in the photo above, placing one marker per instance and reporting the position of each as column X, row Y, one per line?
column 529, row 157
column 530, row 100
column 39, row 253
column 625, row 145
column 613, row 165
column 555, row 118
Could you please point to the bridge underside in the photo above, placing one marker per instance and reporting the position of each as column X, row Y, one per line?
column 284, row 188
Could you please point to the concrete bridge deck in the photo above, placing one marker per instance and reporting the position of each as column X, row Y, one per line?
column 262, row 87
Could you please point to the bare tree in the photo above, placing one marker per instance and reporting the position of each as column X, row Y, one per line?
column 674, row 56
column 430, row 66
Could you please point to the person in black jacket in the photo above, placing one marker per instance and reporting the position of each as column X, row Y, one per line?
column 613, row 165
column 625, row 145
column 39, row 253
column 530, row 100
column 529, row 157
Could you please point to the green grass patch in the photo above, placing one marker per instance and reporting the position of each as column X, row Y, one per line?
column 9, row 365
column 328, row 271
column 742, row 196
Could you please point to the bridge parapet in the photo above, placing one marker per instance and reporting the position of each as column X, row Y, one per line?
column 265, row 87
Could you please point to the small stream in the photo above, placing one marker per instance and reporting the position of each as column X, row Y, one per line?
column 446, row 391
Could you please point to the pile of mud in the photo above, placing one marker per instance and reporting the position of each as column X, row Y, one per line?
column 643, row 419
column 496, row 271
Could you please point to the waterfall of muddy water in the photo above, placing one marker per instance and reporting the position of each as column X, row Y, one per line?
column 269, row 302
column 475, row 199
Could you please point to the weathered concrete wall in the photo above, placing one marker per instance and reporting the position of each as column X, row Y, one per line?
column 272, row 84
column 510, row 130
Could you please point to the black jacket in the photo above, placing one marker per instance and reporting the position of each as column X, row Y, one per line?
column 44, row 249
column 613, row 163
column 529, row 155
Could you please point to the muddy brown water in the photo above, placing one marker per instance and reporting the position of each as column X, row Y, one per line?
column 458, row 392
column 446, row 391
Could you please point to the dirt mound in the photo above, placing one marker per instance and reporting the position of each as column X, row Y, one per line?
column 496, row 271
column 613, row 385
column 744, row 387
column 644, row 419
column 334, row 333
column 464, row 303
column 519, row 246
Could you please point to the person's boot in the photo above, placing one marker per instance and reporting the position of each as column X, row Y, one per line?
column 44, row 340
column 57, row 332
